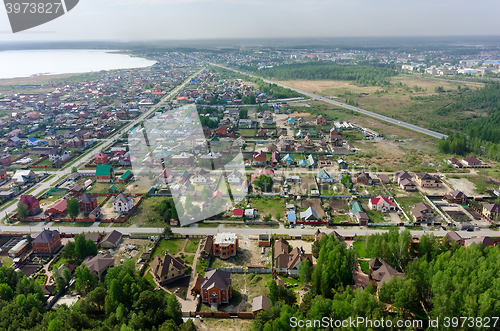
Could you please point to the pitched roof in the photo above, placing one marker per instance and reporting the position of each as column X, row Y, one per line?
column 380, row 199
column 46, row 236
column 85, row 198
column 217, row 279
column 122, row 197
column 99, row 263
column 113, row 237
column 384, row 272
column 493, row 208
column 161, row 265
column 485, row 241
column 453, row 236
column 28, row 200
column 126, row 174
column 261, row 302
column 103, row 170
column 308, row 213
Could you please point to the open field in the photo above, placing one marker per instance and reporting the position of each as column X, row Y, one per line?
column 269, row 205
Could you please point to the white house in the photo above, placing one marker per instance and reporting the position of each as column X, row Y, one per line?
column 250, row 213
column 244, row 186
column 201, row 177
column 381, row 204
column 58, row 155
column 122, row 203
column 234, row 177
column 32, row 141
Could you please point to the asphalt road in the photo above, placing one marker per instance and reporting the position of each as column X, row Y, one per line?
column 356, row 109
column 246, row 231
column 44, row 186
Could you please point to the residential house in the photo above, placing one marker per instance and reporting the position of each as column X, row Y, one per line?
column 309, row 215
column 101, row 158
column 324, row 177
column 13, row 142
column 471, row 161
column 234, row 178
column 407, row 185
column 56, row 141
column 183, row 159
column 384, row 179
column 427, row 181
column 289, row 263
column 320, row 120
column 32, row 141
column 250, row 213
column 288, row 160
column 5, row 158
column 262, row 132
column 99, row 265
column 3, row 175
column 225, row 245
column 103, row 173
column 422, row 212
column 47, row 242
column 87, row 203
column 381, row 272
column 125, row 176
column 268, row 120
column 362, row 218
column 244, row 186
column 336, row 138
column 59, row 208
column 215, row 288
column 238, row 212
column 201, row 177
column 167, row 268
column 482, row 241
column 58, row 155
column 456, row 197
column 400, row 175
column 454, row 237
column 363, row 178
column 206, row 246
column 382, row 204
column 32, row 203
column 259, row 158
column 123, row 203
column 492, row 211
column 111, row 240
column 221, row 131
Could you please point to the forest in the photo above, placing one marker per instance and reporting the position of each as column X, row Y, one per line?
column 441, row 279
column 480, row 136
column 125, row 301
column 359, row 74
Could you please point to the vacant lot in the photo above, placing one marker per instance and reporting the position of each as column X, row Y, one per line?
column 132, row 249
column 464, row 185
column 307, row 184
column 269, row 205
column 247, row 287
column 172, row 246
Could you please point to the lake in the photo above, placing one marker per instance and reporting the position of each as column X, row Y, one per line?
column 52, row 62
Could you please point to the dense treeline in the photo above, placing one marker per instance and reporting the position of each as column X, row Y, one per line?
column 360, row 74
column 125, row 301
column 479, row 136
column 441, row 280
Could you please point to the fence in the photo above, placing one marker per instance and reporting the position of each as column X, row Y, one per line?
column 238, row 314
column 39, row 160
column 17, row 158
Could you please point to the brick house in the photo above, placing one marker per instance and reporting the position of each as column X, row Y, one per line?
column 183, row 159
column 32, row 203
column 46, row 242
column 221, row 131
column 456, row 197
column 422, row 212
column 259, row 158
column 320, row 120
column 363, row 178
column 5, row 158
column 168, row 268
column 103, row 173
column 426, row 180
column 87, row 203
column 101, row 158
column 225, row 245
column 215, row 287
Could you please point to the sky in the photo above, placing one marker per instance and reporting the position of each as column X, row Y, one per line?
column 133, row 20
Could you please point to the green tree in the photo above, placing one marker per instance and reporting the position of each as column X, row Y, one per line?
column 346, row 181
column 73, row 207
column 174, row 309
column 243, row 113
column 305, row 272
column 74, row 170
column 97, row 297
column 264, row 183
column 65, row 274
column 22, row 210
column 85, row 280
column 273, row 291
column 167, row 231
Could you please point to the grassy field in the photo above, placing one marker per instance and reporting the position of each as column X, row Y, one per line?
column 191, row 246
column 365, row 267
column 149, row 277
column 360, row 247
column 6, row 262
column 172, row 246
column 61, row 261
column 145, row 215
column 247, row 132
column 269, row 205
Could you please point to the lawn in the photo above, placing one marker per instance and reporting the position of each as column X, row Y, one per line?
column 201, row 266
column 188, row 259
column 172, row 246
column 247, row 132
column 145, row 213
column 360, row 247
column 290, row 282
column 61, row 261
column 269, row 205
column 6, row 262
column 375, row 216
column 208, row 225
column 149, row 277
column 365, row 267
column 191, row 246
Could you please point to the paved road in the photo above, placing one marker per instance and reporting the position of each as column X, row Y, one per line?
column 356, row 109
column 41, row 187
column 246, row 231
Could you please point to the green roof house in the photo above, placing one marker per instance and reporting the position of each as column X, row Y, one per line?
column 103, row 173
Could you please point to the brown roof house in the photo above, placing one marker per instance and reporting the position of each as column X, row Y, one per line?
column 206, row 245
column 99, row 264
column 289, row 263
column 482, row 241
column 216, row 287
column 168, row 268
column 426, row 180
column 381, row 272
column 422, row 212
column 454, row 237
column 456, row 197
column 111, row 240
